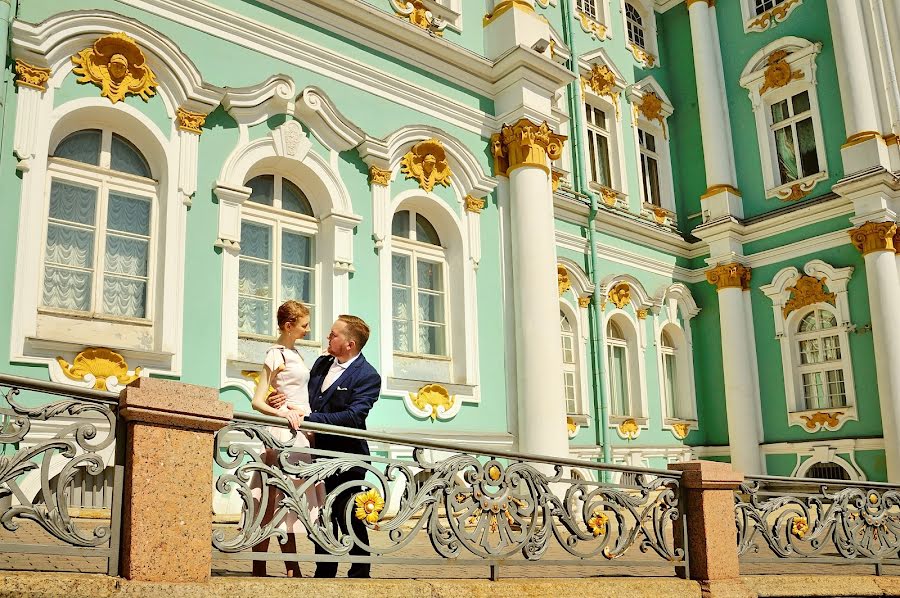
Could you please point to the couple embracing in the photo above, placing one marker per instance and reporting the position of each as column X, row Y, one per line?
column 339, row 390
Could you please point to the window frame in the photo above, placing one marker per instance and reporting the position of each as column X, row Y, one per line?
column 105, row 180
column 660, row 131
column 633, row 344
column 761, row 21
column 822, row 367
column 645, row 154
column 420, row 250
column 647, row 55
column 801, row 59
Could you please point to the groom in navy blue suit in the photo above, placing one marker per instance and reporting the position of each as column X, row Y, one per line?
column 343, row 386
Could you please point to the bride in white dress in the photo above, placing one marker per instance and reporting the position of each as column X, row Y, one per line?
column 285, row 372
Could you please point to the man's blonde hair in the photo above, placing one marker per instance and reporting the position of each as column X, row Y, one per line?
column 357, row 329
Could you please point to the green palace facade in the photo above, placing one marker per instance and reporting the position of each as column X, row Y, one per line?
column 637, row 231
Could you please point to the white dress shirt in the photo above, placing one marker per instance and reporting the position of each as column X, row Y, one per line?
column 335, row 371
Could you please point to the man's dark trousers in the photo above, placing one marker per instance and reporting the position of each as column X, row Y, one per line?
column 338, row 516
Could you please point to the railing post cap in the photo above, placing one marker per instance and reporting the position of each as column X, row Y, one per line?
column 173, row 403
column 708, row 475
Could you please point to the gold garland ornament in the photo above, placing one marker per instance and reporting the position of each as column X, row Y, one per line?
column 116, row 64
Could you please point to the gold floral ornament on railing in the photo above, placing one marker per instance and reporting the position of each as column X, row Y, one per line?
column 116, row 64
column 427, row 163
column 432, row 399
column 598, row 522
column 103, row 368
column 799, row 527
column 369, row 505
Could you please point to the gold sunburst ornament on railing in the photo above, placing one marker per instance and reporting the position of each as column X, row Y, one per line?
column 116, row 64
column 369, row 505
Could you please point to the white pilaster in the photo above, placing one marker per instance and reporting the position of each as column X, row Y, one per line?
column 742, row 404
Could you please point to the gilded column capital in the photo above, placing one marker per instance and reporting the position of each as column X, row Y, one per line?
column 31, row 76
column 377, row 176
column 474, row 204
column 525, row 143
column 191, row 121
column 874, row 236
column 729, row 276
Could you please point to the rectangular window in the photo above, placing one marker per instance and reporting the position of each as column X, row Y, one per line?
column 824, row 389
column 598, row 145
column 569, row 388
column 298, row 271
column 255, row 284
column 430, row 312
column 649, row 167
column 668, row 360
column 588, row 7
column 418, row 299
column 618, row 381
column 794, row 138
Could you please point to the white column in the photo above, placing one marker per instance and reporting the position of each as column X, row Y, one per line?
column 539, row 381
column 714, row 122
column 875, row 241
column 742, row 405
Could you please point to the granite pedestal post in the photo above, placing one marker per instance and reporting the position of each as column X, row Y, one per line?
column 167, row 502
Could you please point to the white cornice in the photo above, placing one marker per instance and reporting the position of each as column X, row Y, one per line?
column 629, row 229
column 571, row 242
column 812, row 214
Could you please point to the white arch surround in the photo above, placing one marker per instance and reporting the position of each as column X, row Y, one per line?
column 404, row 375
column 286, row 150
column 632, row 328
column 828, row 454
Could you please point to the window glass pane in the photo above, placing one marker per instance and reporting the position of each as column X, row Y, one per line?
column 262, row 189
column 831, row 348
column 402, row 341
column 296, row 249
column 667, row 340
column 83, row 146
column 592, row 154
column 650, row 141
column 670, row 382
column 618, row 368
column 128, row 214
column 613, row 331
column 124, row 296
column 779, row 111
column 69, row 246
column 801, row 103
column 126, row 158
column 564, row 323
column 808, row 323
column 787, row 158
column 293, row 199
column 431, row 340
column 829, row 320
column 67, row 289
column 603, row 161
column 400, row 224
column 256, row 241
column 296, row 285
column 431, row 308
column 254, row 316
column 429, row 275
column 425, row 232
column 814, row 390
column 809, row 351
column 653, row 181
column 73, row 204
column 837, row 396
column 401, row 303
column 125, row 255
column 569, row 390
column 400, row 269
column 809, row 158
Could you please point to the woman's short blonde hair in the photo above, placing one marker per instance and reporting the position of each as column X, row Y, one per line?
column 291, row 311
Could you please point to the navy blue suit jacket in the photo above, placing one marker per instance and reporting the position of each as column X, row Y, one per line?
column 346, row 402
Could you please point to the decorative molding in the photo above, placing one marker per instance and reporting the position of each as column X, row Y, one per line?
column 641, row 314
column 427, row 163
column 116, row 64
column 778, row 73
column 32, row 76
column 830, row 420
column 555, row 178
column 525, row 143
column 418, row 14
column 474, row 204
column 620, row 294
column 642, row 55
column 602, row 80
column 629, row 429
column 100, row 368
column 651, row 108
column 591, row 27
column 798, row 190
column 769, row 18
column 680, row 429
column 874, row 236
column 716, row 189
column 191, row 121
column 379, row 176
column 562, row 279
column 505, row 5
column 807, row 291
column 434, row 401
column 726, row 276
column 584, row 302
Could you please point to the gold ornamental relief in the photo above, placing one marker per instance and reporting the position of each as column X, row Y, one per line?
column 377, row 176
column 474, row 204
column 116, row 64
column 822, row 419
column 797, row 191
column 431, row 399
column 427, row 163
column 609, row 196
column 874, row 236
column 562, row 279
column 779, row 72
column 807, row 291
column 104, row 366
column 620, row 295
column 525, row 143
column 772, row 16
column 32, row 76
column 642, row 55
column 642, row 314
column 629, row 429
column 585, row 301
column 727, row 276
column 681, row 430
column 418, row 14
column 191, row 121
column 651, row 108
column 555, row 178
column 591, row 27
column 602, row 81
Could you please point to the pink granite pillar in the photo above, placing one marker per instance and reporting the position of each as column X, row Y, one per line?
column 708, row 504
column 167, row 501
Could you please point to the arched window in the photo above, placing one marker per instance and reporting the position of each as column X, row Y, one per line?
column 98, row 254
column 277, row 260
column 635, row 25
column 820, row 369
column 588, row 7
column 619, row 370
column 827, row 470
column 418, row 271
column 571, row 382
column 649, row 167
column 761, row 6
column 669, row 374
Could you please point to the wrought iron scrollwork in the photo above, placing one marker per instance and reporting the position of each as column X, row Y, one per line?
column 466, row 504
column 73, row 447
column 850, row 522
